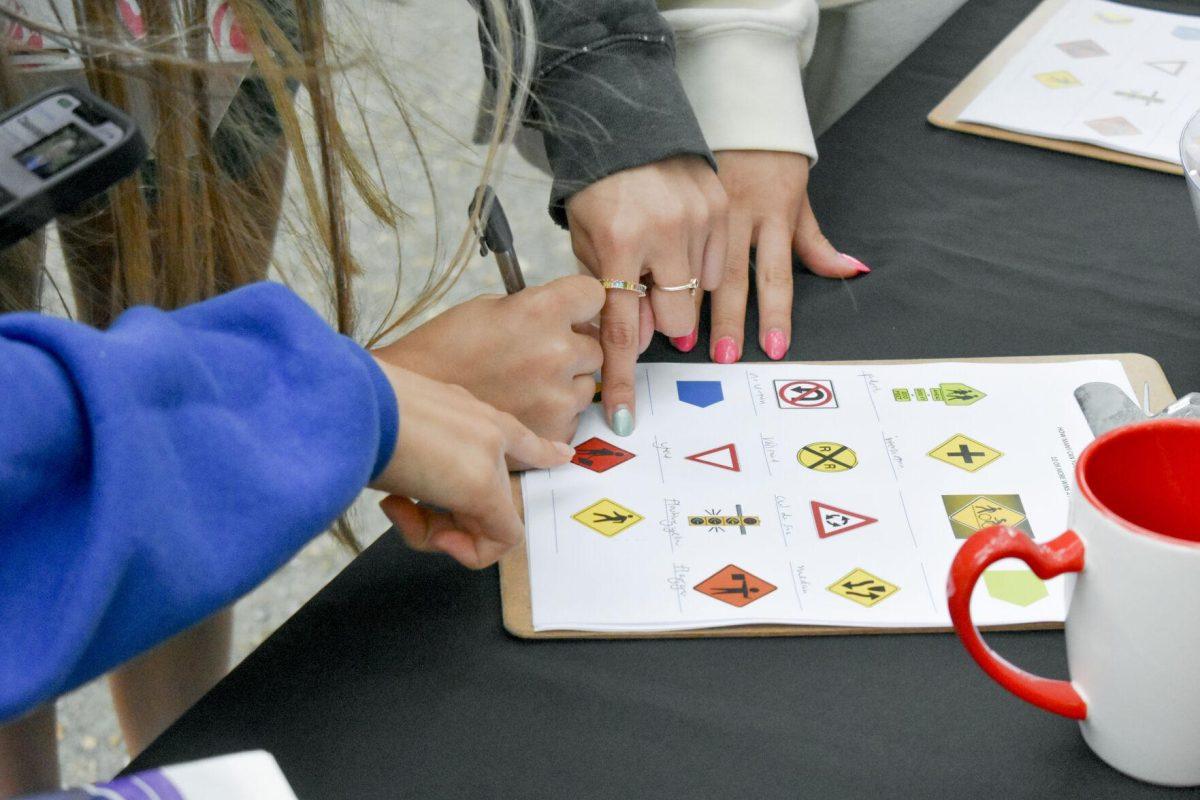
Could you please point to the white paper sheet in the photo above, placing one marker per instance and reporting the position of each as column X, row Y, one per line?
column 1112, row 75
column 709, row 516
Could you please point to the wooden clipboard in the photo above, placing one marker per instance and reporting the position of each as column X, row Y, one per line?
column 516, row 600
column 946, row 114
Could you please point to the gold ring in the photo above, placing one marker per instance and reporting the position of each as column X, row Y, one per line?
column 625, row 286
column 690, row 286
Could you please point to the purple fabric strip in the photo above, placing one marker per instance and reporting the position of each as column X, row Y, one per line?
column 161, row 785
column 126, row 788
column 157, row 787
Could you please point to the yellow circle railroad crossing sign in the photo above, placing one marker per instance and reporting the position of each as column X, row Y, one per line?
column 965, row 453
column 827, row 457
column 607, row 518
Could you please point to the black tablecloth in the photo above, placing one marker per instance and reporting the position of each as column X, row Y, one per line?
column 398, row 680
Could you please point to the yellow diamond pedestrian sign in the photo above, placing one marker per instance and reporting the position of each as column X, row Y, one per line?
column 964, row 453
column 969, row 514
column 863, row 588
column 608, row 518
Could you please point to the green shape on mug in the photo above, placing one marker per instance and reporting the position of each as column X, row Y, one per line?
column 1017, row 586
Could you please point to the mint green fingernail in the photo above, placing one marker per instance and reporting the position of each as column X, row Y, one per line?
column 622, row 421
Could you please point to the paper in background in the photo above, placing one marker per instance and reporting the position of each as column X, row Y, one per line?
column 1108, row 74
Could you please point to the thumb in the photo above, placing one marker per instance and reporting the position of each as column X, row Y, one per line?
column 416, row 524
column 817, row 254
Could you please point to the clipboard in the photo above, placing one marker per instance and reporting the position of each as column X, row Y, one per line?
column 946, row 114
column 516, row 598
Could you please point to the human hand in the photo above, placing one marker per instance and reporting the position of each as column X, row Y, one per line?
column 451, row 453
column 665, row 220
column 768, row 210
column 532, row 354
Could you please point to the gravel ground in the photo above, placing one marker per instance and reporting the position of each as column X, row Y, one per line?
column 429, row 47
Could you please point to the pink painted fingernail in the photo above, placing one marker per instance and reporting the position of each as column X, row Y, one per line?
column 684, row 344
column 776, row 344
column 859, row 267
column 726, row 351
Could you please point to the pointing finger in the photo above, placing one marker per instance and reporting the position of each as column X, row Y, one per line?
column 619, row 336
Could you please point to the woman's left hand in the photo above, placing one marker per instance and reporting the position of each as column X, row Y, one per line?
column 769, row 211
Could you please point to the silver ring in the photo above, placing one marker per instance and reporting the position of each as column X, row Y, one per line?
column 690, row 286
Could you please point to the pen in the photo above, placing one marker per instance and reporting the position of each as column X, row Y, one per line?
column 495, row 236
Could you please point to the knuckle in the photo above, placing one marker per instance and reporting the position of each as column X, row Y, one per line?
column 618, row 387
column 491, row 441
column 621, row 235
column 737, row 271
column 460, row 393
column 556, row 353
column 619, row 335
column 477, row 481
column 542, row 303
column 718, row 203
column 672, row 215
column 558, row 404
column 587, row 289
column 727, row 321
column 775, row 279
column 594, row 355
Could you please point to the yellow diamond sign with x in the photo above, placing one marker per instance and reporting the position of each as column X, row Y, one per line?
column 964, row 453
column 863, row 588
column 1059, row 79
column 607, row 518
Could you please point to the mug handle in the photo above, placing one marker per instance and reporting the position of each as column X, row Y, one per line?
column 1064, row 554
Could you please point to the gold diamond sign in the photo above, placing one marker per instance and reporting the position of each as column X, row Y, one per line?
column 971, row 513
column 965, row 453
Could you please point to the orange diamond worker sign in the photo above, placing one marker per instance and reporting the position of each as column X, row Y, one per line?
column 735, row 586
column 598, row 455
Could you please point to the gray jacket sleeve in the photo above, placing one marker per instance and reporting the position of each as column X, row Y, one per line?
column 605, row 94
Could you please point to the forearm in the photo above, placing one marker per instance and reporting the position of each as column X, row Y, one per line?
column 605, row 93
column 740, row 64
column 155, row 472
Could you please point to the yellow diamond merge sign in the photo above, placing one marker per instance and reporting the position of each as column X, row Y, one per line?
column 863, row 588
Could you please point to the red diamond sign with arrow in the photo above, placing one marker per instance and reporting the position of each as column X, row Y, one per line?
column 831, row 520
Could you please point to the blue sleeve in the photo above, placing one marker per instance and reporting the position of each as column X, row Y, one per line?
column 152, row 473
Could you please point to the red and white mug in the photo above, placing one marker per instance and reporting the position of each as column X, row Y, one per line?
column 1133, row 620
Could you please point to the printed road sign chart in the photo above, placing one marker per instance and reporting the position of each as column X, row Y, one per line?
column 1107, row 74
column 807, row 495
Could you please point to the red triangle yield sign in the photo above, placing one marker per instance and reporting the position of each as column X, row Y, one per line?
column 731, row 463
column 831, row 520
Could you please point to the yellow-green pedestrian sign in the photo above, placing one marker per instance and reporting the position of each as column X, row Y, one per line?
column 952, row 394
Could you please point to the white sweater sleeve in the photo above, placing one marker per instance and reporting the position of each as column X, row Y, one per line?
column 740, row 61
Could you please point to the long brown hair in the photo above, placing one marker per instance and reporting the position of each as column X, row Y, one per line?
column 201, row 218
